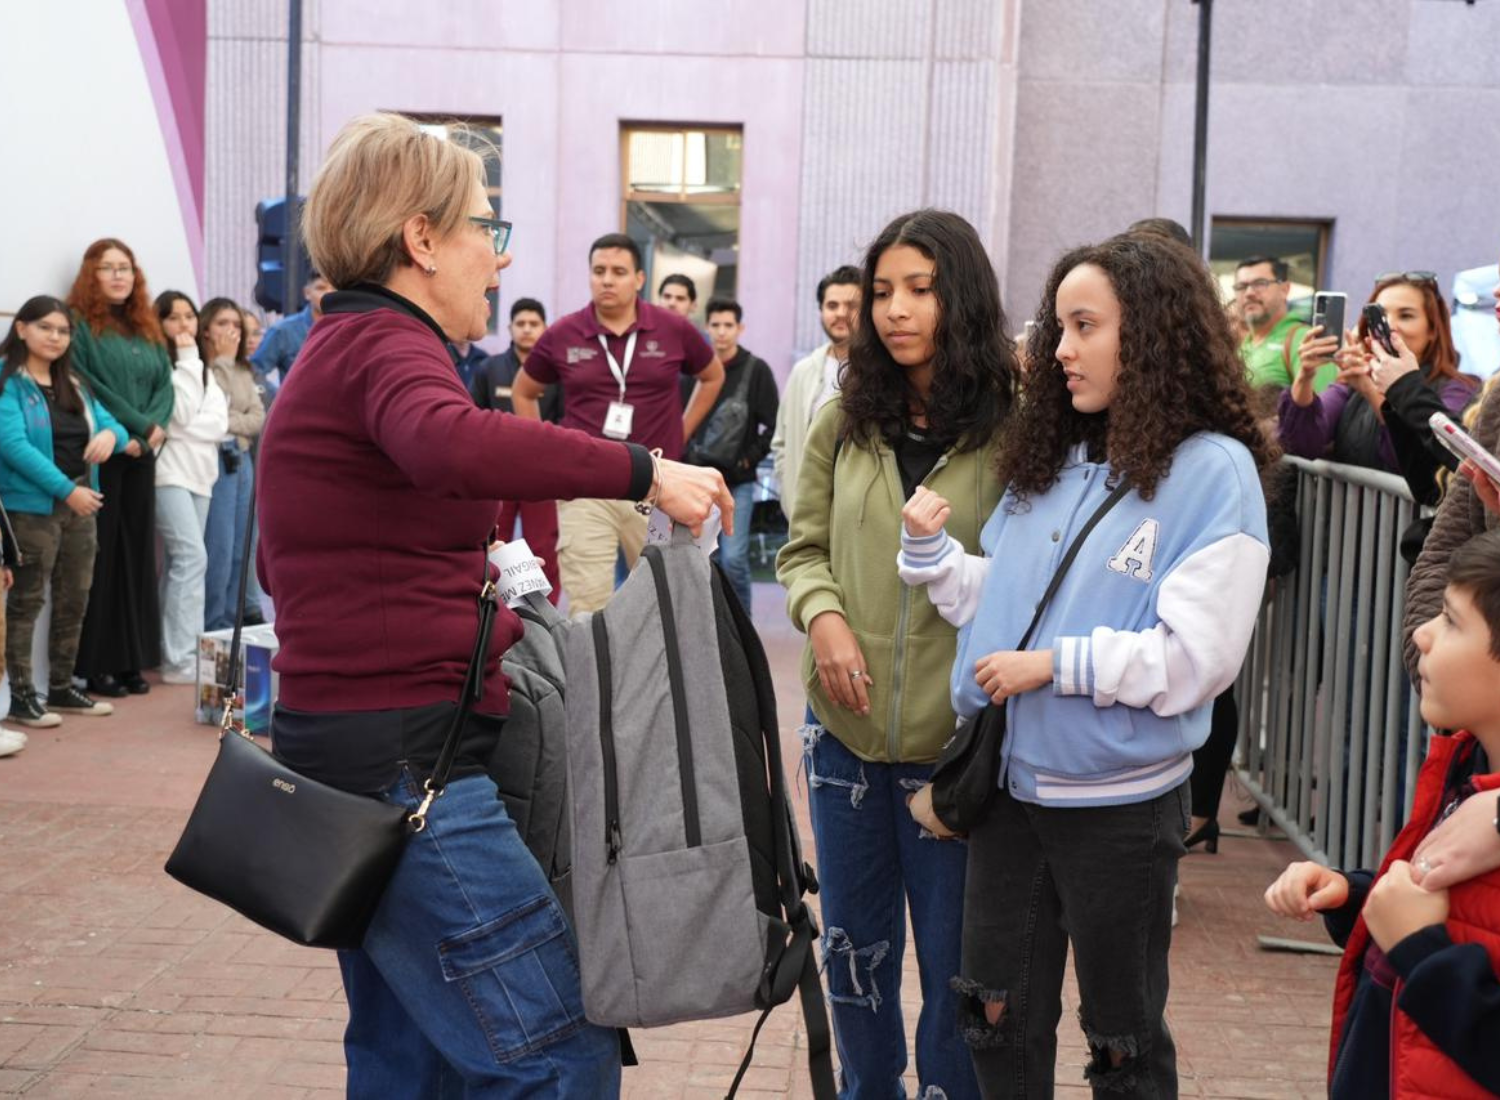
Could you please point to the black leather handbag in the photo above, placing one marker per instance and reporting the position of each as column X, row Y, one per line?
column 967, row 771
column 306, row 860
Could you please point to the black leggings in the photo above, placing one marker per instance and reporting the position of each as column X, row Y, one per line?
column 1211, row 762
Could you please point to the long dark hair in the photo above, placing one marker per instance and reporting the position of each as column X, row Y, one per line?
column 1180, row 373
column 164, row 303
column 65, row 387
column 211, row 308
column 974, row 368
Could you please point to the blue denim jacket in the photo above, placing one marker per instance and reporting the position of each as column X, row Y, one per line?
column 29, row 480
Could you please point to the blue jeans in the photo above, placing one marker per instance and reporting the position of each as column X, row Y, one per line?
column 874, row 861
column 180, row 519
column 467, row 984
column 734, row 550
column 224, row 540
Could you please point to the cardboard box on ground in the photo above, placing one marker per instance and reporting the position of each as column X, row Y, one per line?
column 257, row 681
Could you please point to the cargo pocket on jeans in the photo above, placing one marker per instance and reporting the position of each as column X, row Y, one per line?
column 519, row 974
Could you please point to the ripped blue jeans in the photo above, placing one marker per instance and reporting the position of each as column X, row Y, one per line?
column 874, row 862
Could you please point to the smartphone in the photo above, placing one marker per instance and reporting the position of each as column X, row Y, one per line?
column 1379, row 328
column 1328, row 310
column 1463, row 445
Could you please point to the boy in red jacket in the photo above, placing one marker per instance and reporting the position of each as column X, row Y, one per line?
column 1416, row 1009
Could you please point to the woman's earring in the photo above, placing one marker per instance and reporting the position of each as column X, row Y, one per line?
column 431, row 269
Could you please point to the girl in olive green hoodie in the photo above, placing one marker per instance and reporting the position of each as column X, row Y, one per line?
column 927, row 391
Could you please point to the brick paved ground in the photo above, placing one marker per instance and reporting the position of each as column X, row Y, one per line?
column 115, row 981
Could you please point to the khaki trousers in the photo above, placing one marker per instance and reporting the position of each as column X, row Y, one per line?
column 590, row 534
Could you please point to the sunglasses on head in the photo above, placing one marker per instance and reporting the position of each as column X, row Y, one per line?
column 1409, row 276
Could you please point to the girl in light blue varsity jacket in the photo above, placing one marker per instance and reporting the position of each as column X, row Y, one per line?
column 1132, row 376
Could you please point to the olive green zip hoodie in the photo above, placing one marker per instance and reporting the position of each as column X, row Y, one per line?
column 841, row 556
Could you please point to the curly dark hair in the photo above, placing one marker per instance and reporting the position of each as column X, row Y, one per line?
column 1180, row 373
column 975, row 365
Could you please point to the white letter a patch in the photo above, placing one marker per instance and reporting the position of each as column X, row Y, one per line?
column 1134, row 558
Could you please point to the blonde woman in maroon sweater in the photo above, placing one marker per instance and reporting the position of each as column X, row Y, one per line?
column 380, row 484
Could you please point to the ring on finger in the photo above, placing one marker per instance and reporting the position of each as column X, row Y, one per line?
column 856, row 674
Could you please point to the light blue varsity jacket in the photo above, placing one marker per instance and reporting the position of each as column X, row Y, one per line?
column 1151, row 622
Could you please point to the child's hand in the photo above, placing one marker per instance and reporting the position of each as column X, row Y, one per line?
column 925, row 513
column 1397, row 906
column 1305, row 888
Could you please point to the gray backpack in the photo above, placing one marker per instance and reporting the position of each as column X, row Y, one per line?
column 687, row 879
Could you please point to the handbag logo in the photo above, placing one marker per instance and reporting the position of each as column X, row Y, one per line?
column 283, row 785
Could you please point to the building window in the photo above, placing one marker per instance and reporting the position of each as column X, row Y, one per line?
column 483, row 135
column 1302, row 244
column 681, row 188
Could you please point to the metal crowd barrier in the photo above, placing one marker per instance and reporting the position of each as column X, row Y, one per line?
column 1330, row 737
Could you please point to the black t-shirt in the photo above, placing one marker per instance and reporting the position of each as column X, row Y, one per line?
column 916, row 454
column 70, row 437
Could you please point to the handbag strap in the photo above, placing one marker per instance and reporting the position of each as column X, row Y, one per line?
column 471, row 693
column 1119, row 494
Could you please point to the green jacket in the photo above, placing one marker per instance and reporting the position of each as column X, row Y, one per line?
column 130, row 376
column 841, row 556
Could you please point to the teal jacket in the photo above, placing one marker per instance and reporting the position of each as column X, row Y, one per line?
column 29, row 480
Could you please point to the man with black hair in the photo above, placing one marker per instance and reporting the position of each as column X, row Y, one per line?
column 814, row 381
column 678, row 294
column 491, row 389
column 1271, row 350
column 617, row 362
column 495, row 378
column 748, row 400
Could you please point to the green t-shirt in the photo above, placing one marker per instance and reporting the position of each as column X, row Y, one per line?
column 1273, row 361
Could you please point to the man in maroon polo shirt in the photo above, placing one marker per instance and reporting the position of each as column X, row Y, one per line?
column 618, row 361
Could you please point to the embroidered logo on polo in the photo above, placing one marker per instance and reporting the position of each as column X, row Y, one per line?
column 653, row 350
column 1134, row 558
column 579, row 355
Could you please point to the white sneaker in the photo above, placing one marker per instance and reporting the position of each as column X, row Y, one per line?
column 11, row 741
column 172, row 676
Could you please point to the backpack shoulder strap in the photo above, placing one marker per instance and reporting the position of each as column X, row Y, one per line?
column 797, row 965
column 1294, row 333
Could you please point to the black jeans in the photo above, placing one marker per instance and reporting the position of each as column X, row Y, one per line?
column 1103, row 878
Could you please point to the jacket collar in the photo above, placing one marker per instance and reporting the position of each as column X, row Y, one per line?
column 368, row 297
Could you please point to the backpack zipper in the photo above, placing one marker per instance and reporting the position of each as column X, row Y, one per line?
column 691, row 825
column 613, row 842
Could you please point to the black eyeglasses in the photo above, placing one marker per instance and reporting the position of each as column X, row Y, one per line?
column 499, row 231
column 1409, row 276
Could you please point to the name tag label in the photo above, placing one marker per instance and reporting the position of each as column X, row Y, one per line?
column 519, row 573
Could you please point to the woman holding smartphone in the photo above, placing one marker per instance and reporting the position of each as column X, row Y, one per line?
column 1378, row 418
column 1133, row 380
column 924, row 402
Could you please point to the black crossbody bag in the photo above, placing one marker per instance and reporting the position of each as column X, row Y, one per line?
column 306, row 860
column 967, row 772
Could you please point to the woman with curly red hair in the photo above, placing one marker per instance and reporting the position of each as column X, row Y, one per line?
column 1134, row 415
column 118, row 347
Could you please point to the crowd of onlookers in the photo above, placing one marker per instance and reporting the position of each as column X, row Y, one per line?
column 128, row 432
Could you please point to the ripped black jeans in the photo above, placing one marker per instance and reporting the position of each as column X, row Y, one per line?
column 1103, row 878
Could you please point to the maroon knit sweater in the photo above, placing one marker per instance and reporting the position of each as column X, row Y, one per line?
column 377, row 490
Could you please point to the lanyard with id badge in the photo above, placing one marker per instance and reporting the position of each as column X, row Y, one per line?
column 618, row 420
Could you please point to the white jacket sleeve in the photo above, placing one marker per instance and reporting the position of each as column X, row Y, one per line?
column 1208, row 607
column 953, row 578
column 199, row 412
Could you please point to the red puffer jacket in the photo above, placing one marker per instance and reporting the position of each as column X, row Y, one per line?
column 1419, row 1070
